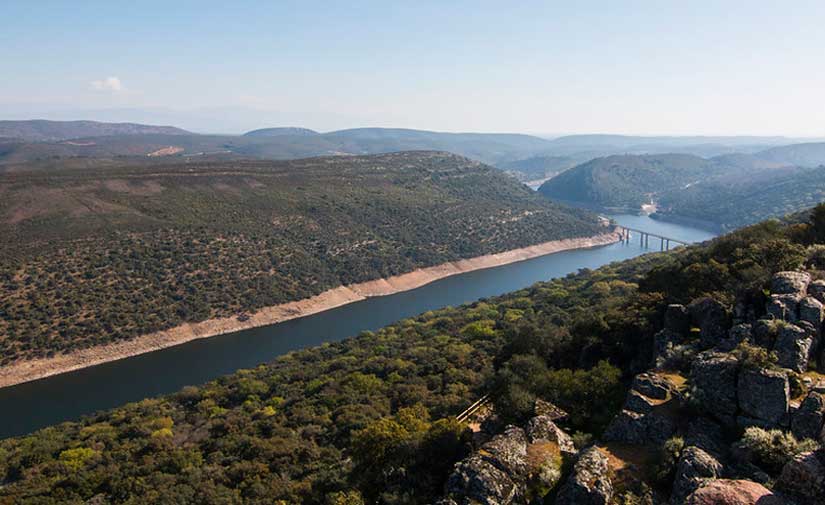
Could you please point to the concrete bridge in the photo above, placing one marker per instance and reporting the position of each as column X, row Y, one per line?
column 644, row 238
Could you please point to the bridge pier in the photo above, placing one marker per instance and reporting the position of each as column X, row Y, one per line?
column 644, row 238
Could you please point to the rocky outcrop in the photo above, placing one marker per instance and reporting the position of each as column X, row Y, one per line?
column 494, row 474
column 711, row 318
column 790, row 283
column 763, row 397
column 793, row 347
column 706, row 435
column 640, row 421
column 695, row 465
column 736, row 335
column 714, row 377
column 808, row 420
column 810, row 310
column 543, row 429
column 589, row 483
column 763, row 333
column 502, row 470
column 784, row 307
column 804, row 477
column 734, row 492
column 817, row 290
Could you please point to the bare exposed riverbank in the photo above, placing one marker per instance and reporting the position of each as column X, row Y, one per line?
column 336, row 297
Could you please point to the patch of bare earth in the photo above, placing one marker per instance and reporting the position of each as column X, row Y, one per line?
column 166, row 151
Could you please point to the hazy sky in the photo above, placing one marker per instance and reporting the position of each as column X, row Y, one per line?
column 668, row 67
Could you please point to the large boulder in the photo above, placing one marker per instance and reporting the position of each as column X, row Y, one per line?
column 509, row 451
column 543, row 429
column 495, row 474
column 807, row 421
column 734, row 492
column 736, row 335
column 764, row 395
column 695, row 465
column 790, row 283
column 817, row 290
column 784, row 307
column 711, row 317
column 804, row 477
column 707, row 435
column 793, row 347
column 677, row 319
column 477, row 480
column 631, row 427
column 589, row 483
column 714, row 377
column 763, row 333
column 810, row 310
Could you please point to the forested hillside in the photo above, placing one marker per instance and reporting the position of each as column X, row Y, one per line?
column 367, row 420
column 734, row 201
column 93, row 256
column 627, row 181
column 724, row 192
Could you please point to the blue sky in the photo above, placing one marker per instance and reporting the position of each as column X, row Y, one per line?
column 547, row 67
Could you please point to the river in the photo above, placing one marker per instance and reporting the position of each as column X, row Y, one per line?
column 29, row 406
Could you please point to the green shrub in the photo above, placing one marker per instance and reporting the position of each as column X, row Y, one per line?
column 771, row 449
column 668, row 458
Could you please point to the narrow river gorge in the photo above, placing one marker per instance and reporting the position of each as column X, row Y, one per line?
column 32, row 405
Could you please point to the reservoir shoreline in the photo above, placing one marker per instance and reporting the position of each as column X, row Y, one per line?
column 32, row 370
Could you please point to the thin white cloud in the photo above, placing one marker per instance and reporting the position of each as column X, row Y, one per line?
column 111, row 84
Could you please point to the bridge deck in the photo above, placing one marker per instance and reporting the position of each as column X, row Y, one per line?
column 644, row 237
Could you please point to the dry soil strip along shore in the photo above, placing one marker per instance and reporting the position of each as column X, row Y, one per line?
column 336, row 297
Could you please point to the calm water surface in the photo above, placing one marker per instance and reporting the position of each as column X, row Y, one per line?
column 68, row 396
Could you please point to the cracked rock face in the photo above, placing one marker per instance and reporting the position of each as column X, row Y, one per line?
column 809, row 418
column 804, row 477
column 784, row 307
column 790, row 283
column 695, row 465
column 793, row 347
column 542, row 429
column 715, row 377
column 810, row 310
column 817, row 290
column 712, row 319
column 589, row 483
column 764, row 395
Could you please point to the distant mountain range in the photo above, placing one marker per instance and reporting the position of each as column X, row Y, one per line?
column 284, row 130
column 526, row 157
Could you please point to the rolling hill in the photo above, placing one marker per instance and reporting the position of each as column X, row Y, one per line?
column 723, row 192
column 627, row 181
column 810, row 154
column 97, row 255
